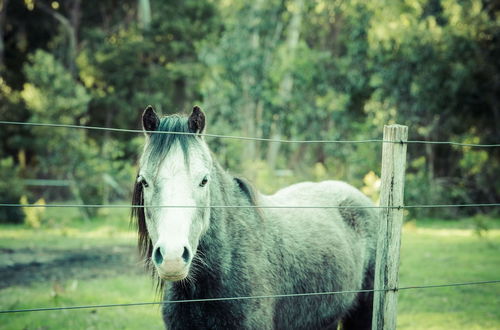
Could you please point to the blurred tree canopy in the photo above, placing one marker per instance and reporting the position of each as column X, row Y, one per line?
column 289, row 69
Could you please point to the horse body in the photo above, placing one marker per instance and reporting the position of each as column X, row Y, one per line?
column 248, row 252
column 324, row 249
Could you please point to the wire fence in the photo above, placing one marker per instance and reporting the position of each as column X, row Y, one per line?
column 276, row 296
column 5, row 122
column 248, row 206
column 423, row 206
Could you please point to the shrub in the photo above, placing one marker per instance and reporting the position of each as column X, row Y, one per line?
column 11, row 190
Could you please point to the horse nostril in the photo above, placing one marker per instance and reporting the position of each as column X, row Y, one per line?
column 185, row 255
column 158, row 257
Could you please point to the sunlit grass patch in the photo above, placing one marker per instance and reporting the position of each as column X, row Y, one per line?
column 68, row 230
column 441, row 252
column 121, row 289
column 433, row 252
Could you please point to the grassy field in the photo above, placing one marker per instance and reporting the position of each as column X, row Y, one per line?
column 437, row 252
column 433, row 252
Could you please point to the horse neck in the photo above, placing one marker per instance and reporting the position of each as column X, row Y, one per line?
column 221, row 194
column 216, row 244
column 214, row 250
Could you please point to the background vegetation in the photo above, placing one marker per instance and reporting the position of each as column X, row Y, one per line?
column 289, row 69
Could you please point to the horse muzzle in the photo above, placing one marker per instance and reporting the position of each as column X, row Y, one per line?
column 169, row 276
column 172, row 264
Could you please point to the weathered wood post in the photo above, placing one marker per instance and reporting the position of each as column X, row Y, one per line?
column 391, row 221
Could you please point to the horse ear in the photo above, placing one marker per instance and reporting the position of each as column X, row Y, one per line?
column 150, row 120
column 196, row 120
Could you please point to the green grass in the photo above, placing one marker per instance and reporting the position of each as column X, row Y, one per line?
column 121, row 289
column 433, row 252
column 437, row 252
column 63, row 228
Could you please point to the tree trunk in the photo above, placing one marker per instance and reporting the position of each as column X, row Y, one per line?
column 295, row 160
column 75, row 15
column 180, row 98
column 249, row 128
column 70, row 26
column 273, row 148
column 286, row 85
column 249, row 104
column 75, row 190
column 3, row 11
column 144, row 13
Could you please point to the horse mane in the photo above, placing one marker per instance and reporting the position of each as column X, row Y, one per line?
column 250, row 192
column 138, row 214
column 247, row 189
column 145, row 246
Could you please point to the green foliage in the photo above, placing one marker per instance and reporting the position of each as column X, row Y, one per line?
column 127, row 68
column 12, row 138
column 33, row 216
column 436, row 69
column 11, row 190
column 294, row 69
column 53, row 95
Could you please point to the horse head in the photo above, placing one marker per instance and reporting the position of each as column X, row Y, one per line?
column 173, row 186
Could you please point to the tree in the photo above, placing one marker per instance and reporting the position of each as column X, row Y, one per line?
column 438, row 72
column 238, row 85
column 52, row 95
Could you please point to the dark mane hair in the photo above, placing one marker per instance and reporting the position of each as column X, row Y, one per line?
column 247, row 189
column 144, row 242
column 158, row 147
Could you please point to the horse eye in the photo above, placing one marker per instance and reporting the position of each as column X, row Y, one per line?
column 204, row 182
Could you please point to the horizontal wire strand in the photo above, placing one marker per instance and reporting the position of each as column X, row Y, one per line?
column 190, row 206
column 449, row 205
column 4, row 122
column 45, row 309
column 188, row 133
column 455, row 143
column 252, row 206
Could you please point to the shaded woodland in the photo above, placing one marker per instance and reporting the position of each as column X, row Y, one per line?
column 288, row 69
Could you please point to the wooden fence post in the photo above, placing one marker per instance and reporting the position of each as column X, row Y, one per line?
column 391, row 221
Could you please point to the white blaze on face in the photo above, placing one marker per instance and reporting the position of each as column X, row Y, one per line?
column 175, row 184
column 175, row 188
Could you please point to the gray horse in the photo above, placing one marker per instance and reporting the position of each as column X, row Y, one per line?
column 198, row 250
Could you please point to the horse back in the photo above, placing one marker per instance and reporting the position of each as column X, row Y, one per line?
column 333, row 202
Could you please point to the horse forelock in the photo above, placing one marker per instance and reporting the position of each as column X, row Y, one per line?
column 159, row 145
